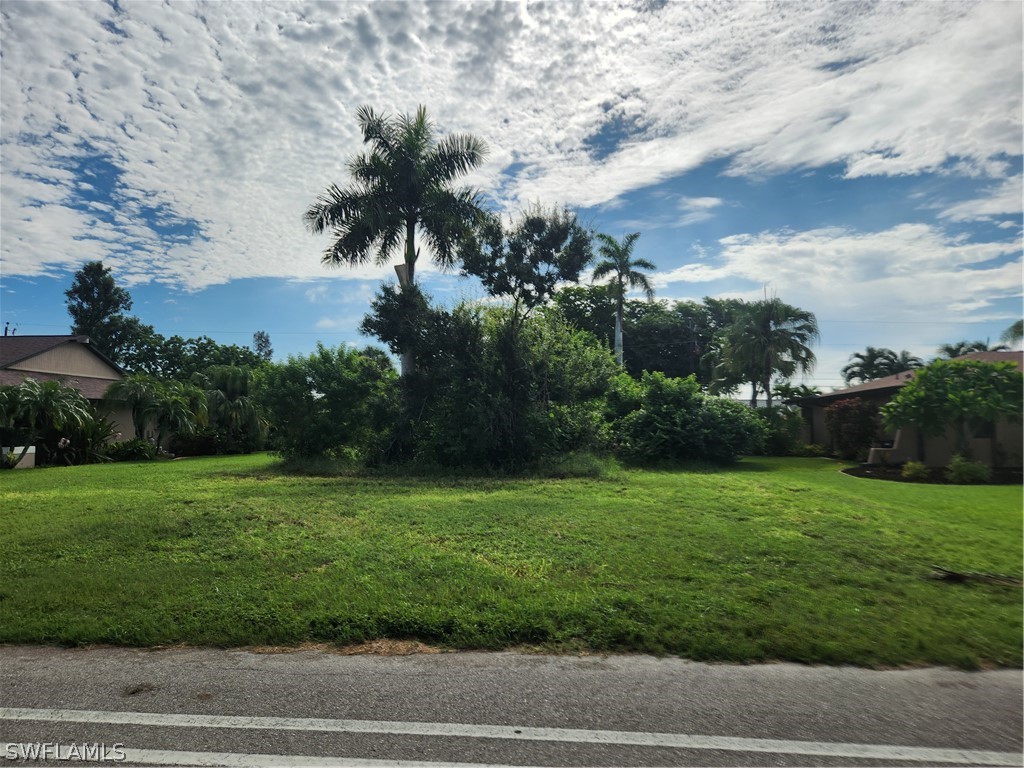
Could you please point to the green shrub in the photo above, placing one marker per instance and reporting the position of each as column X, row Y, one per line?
column 334, row 403
column 914, row 471
column 131, row 450
column 962, row 471
column 852, row 425
column 782, row 435
column 665, row 419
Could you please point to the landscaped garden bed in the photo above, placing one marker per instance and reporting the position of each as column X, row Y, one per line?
column 935, row 475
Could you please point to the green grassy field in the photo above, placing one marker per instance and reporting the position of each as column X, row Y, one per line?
column 769, row 559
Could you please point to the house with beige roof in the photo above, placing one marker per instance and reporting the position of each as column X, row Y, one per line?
column 72, row 360
column 1000, row 444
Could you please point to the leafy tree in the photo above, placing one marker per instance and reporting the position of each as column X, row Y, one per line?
column 261, row 345
column 617, row 261
column 961, row 348
column 97, row 306
column 493, row 388
column 31, row 409
column 528, row 258
column 957, row 394
column 769, row 338
column 876, row 363
column 401, row 189
column 674, row 339
column 1014, row 334
column 338, row 403
column 588, row 308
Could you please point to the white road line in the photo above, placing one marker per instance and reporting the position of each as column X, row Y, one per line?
column 257, row 760
column 513, row 733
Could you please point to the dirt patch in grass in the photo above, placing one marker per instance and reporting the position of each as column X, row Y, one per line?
column 936, row 475
column 381, row 647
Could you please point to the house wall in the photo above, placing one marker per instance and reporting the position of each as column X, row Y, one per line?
column 122, row 419
column 1007, row 445
column 70, row 359
column 1005, row 449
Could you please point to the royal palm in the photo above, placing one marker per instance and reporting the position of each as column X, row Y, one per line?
column 401, row 190
column 617, row 261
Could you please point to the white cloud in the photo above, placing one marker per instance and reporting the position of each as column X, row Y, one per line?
column 912, row 272
column 236, row 116
column 1002, row 200
column 697, row 209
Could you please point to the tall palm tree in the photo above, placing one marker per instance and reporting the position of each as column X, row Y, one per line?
column 769, row 338
column 401, row 189
column 618, row 262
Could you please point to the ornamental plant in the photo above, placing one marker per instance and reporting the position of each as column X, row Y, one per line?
column 957, row 394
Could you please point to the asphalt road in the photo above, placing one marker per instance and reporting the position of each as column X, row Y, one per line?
column 314, row 707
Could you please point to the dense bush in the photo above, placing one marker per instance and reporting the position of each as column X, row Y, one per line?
column 131, row 450
column 852, row 424
column 915, row 471
column 336, row 403
column 963, row 471
column 499, row 387
column 782, row 430
column 659, row 418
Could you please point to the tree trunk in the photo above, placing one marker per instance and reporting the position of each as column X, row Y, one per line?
column 406, row 280
column 618, row 336
column 753, row 394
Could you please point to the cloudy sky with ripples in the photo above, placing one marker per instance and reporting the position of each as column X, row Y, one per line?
column 860, row 160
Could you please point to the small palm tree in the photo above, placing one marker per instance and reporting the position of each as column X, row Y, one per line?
column 138, row 391
column 961, row 348
column 1014, row 333
column 35, row 407
column 178, row 408
column 401, row 189
column 618, row 262
column 228, row 399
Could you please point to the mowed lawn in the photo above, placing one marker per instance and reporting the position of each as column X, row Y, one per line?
column 769, row 559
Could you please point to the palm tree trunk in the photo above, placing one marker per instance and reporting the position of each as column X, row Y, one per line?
column 618, row 336
column 406, row 280
column 753, row 394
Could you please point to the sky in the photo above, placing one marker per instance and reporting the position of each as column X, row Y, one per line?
column 860, row 160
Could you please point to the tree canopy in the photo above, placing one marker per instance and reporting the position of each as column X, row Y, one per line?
column 957, row 393
column 768, row 339
column 878, row 362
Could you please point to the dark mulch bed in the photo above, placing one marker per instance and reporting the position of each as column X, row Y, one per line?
column 936, row 475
